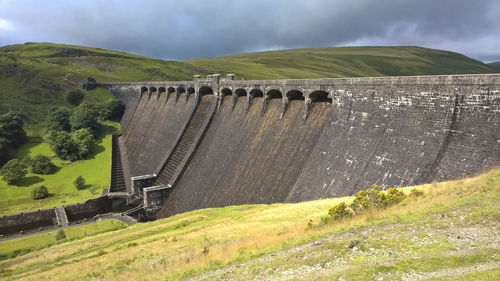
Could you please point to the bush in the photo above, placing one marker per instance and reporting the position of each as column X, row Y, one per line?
column 13, row 171
column 79, row 182
column 367, row 199
column 58, row 119
column 63, row 146
column 42, row 165
column 393, row 197
column 85, row 117
column 75, row 97
column 340, row 212
column 416, row 193
column 39, row 192
column 60, row 235
column 370, row 198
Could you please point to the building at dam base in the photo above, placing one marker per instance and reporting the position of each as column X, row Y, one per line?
column 215, row 142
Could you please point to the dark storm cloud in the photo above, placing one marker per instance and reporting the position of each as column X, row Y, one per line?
column 195, row 29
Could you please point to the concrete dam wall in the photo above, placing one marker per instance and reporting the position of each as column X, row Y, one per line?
column 296, row 140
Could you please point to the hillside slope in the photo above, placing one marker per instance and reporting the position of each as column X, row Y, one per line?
column 452, row 230
column 343, row 62
column 495, row 65
column 34, row 75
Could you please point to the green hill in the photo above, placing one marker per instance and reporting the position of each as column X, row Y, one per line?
column 343, row 62
column 495, row 65
column 33, row 75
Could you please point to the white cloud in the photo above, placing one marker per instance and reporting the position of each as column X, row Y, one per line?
column 6, row 25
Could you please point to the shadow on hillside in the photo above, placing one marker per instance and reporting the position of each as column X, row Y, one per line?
column 27, row 181
column 25, row 149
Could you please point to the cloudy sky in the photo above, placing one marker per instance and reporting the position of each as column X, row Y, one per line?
column 186, row 29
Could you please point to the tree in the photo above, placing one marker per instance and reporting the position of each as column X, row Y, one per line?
column 58, row 119
column 60, row 235
column 114, row 109
column 85, row 117
column 75, row 97
column 79, row 182
column 85, row 141
column 13, row 171
column 42, row 165
column 39, row 192
column 12, row 135
column 63, row 145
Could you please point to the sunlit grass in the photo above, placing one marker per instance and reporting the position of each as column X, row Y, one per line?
column 200, row 240
column 95, row 171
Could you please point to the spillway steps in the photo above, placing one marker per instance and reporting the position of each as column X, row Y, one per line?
column 117, row 183
column 185, row 142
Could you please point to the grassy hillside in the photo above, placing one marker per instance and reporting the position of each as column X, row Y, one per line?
column 495, row 65
column 343, row 62
column 33, row 75
column 451, row 232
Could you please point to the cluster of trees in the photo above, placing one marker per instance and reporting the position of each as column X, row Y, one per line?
column 15, row 170
column 12, row 135
column 73, row 130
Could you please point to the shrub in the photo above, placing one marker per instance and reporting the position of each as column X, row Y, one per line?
column 75, row 97
column 340, row 212
column 393, row 196
column 370, row 198
column 60, row 235
column 416, row 193
column 41, row 164
column 367, row 199
column 39, row 192
column 13, row 171
column 58, row 119
column 79, row 182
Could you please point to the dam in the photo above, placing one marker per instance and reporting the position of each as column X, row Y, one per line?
column 215, row 142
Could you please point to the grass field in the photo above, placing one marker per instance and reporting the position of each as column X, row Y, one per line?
column 95, row 171
column 20, row 246
column 249, row 241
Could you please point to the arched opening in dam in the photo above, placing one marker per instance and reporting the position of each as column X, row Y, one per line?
column 240, row 93
column 256, row 93
column 161, row 90
column 205, row 90
column 143, row 90
column 295, row 95
column 320, row 96
column 152, row 90
column 274, row 94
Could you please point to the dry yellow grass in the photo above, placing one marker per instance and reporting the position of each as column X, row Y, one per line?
column 193, row 242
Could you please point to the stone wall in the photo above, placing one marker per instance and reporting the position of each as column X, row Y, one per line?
column 27, row 222
column 88, row 209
